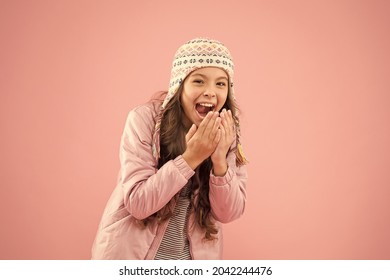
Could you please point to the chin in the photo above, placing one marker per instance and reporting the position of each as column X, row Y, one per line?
column 197, row 123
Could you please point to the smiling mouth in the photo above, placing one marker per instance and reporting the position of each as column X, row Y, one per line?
column 204, row 108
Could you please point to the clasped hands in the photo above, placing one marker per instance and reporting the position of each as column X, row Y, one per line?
column 213, row 138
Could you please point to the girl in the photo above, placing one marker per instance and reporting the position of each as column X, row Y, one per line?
column 182, row 167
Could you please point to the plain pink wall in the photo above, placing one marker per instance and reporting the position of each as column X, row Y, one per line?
column 312, row 79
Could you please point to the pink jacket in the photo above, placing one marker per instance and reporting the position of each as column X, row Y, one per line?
column 142, row 190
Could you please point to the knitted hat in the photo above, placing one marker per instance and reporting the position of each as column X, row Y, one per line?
column 195, row 54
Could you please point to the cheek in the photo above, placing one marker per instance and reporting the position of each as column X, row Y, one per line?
column 221, row 101
column 186, row 102
column 188, row 95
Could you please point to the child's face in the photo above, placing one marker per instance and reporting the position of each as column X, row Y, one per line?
column 204, row 90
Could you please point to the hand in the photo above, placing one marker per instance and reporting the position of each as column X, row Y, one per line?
column 228, row 135
column 202, row 141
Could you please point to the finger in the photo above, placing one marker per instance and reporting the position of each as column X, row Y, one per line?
column 231, row 122
column 227, row 123
column 218, row 137
column 223, row 121
column 229, row 117
column 210, row 126
column 232, row 125
column 190, row 132
column 223, row 133
column 205, row 122
column 215, row 128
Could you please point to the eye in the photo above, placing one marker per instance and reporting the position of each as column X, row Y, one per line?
column 197, row 81
column 221, row 84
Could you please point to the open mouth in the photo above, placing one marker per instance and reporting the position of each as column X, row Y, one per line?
column 204, row 108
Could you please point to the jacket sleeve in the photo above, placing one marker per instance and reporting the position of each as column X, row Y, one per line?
column 228, row 193
column 146, row 189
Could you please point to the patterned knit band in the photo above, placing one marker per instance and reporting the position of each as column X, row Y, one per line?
column 196, row 54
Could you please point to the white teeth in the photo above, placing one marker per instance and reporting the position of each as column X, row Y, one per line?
column 206, row 105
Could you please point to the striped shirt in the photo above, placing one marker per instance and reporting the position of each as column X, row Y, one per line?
column 175, row 244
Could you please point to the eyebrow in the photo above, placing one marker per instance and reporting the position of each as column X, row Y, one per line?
column 205, row 77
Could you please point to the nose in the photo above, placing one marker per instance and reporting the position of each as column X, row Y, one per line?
column 209, row 92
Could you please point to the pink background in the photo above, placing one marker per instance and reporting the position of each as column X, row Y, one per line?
column 312, row 79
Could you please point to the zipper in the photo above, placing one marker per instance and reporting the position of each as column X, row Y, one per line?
column 161, row 228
